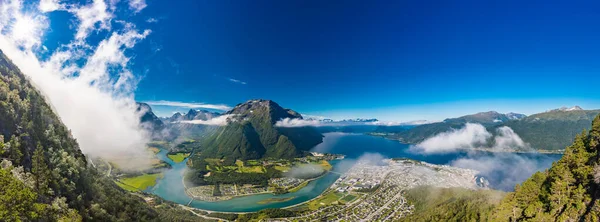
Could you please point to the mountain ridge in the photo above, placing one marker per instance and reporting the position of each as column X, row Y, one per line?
column 549, row 131
column 255, row 136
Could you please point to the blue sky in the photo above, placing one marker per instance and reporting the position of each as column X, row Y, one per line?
column 392, row 60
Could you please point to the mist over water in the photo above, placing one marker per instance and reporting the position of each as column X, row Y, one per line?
column 503, row 170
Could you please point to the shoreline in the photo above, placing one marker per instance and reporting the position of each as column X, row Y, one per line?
column 185, row 188
column 226, row 212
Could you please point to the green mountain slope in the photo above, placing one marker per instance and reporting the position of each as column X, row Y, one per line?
column 451, row 204
column 251, row 134
column 44, row 176
column 552, row 130
column 422, row 132
column 549, row 131
column 568, row 191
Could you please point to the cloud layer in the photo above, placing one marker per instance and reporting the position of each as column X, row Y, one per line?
column 217, row 121
column 294, row 122
column 471, row 136
column 88, row 83
column 189, row 105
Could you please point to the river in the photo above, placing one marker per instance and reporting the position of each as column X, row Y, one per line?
column 503, row 170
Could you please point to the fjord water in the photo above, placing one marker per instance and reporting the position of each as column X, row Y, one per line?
column 171, row 188
column 503, row 170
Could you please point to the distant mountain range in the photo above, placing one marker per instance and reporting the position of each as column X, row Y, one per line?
column 551, row 130
column 251, row 132
column 192, row 114
column 357, row 120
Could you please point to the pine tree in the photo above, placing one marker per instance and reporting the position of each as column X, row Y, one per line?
column 15, row 154
column 40, row 170
column 2, row 145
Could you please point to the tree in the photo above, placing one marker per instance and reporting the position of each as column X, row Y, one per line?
column 17, row 201
column 15, row 150
column 2, row 145
column 40, row 170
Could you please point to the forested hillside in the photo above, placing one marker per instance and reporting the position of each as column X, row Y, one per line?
column 43, row 175
column 451, row 204
column 553, row 130
column 568, row 191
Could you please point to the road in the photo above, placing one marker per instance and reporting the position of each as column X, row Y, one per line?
column 368, row 218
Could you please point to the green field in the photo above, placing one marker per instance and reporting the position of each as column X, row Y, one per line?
column 275, row 200
column 302, row 185
column 126, row 187
column 348, row 198
column 252, row 169
column 282, row 168
column 326, row 200
column 139, row 183
column 179, row 157
column 253, row 162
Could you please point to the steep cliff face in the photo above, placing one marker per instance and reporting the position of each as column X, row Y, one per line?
column 44, row 176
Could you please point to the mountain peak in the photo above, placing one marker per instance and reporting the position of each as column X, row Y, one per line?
column 258, row 107
column 566, row 109
column 515, row 116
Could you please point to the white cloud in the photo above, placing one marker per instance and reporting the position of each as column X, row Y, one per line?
column 307, row 116
column 50, row 5
column 294, row 122
column 137, row 5
column 95, row 100
column 471, row 136
column 152, row 20
column 92, row 17
column 504, row 176
column 392, row 123
column 237, row 81
column 188, row 105
column 507, row 139
column 217, row 121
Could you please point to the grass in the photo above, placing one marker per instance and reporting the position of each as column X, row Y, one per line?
column 140, row 182
column 275, row 200
column 348, row 198
column 253, row 162
column 325, row 165
column 297, row 188
column 326, row 200
column 252, row 169
column 282, row 168
column 179, row 157
column 126, row 187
